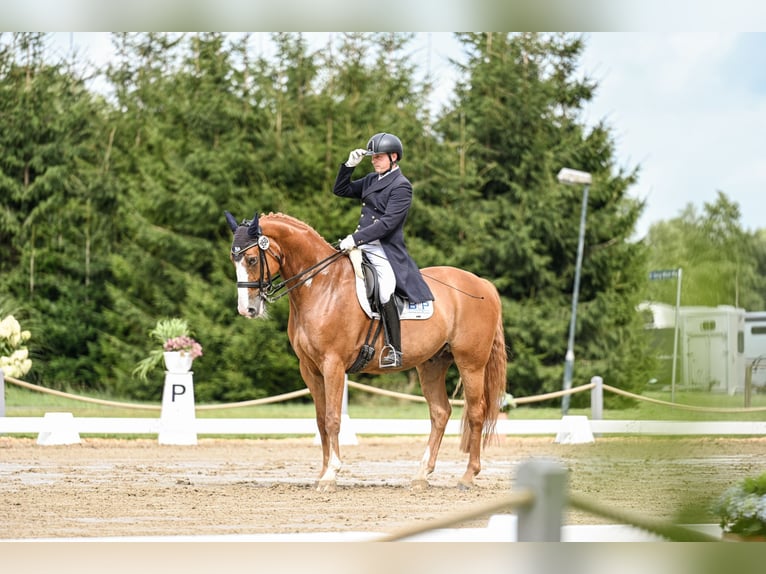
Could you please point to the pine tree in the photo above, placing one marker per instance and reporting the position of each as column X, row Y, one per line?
column 56, row 197
column 514, row 123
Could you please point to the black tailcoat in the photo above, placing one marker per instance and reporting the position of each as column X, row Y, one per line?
column 385, row 204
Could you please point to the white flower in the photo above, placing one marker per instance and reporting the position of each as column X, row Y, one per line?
column 14, row 358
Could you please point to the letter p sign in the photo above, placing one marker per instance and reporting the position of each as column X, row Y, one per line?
column 176, row 391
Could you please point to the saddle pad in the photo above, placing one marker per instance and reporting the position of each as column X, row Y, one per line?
column 422, row 310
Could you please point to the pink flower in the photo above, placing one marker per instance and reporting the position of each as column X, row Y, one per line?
column 184, row 344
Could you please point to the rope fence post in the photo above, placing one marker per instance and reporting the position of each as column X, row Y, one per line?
column 541, row 521
column 2, row 393
column 597, row 399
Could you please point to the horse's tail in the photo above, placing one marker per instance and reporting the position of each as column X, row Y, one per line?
column 494, row 388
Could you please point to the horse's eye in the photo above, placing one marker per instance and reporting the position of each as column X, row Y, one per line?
column 252, row 261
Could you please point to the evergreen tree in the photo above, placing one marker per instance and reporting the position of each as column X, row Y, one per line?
column 514, row 123
column 112, row 205
column 55, row 199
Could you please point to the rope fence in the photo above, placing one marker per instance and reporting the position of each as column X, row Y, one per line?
column 539, row 501
column 387, row 393
column 540, row 496
column 508, row 502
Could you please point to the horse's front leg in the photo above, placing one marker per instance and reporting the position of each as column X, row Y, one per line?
column 333, row 385
column 315, row 383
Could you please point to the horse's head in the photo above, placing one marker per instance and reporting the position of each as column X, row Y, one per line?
column 249, row 252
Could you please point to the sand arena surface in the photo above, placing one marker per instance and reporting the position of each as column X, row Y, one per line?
column 118, row 487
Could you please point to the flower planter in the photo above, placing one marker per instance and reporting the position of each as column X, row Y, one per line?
column 731, row 537
column 177, row 361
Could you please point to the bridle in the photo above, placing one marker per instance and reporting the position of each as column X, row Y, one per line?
column 269, row 290
column 265, row 280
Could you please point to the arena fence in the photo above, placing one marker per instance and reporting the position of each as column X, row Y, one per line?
column 596, row 424
column 540, row 500
column 540, row 495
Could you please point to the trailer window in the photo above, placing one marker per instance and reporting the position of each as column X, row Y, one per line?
column 708, row 326
column 758, row 330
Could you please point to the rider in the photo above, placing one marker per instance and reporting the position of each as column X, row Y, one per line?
column 386, row 196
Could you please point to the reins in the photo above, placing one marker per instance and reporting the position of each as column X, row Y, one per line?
column 316, row 268
column 269, row 289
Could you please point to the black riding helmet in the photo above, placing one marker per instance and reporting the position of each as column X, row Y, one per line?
column 385, row 143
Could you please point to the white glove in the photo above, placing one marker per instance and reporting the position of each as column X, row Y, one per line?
column 355, row 157
column 347, row 244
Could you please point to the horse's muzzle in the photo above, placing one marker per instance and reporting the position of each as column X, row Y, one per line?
column 254, row 309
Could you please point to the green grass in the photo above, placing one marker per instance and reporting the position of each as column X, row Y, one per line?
column 26, row 403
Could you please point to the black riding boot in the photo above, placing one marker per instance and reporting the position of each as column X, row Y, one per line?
column 391, row 355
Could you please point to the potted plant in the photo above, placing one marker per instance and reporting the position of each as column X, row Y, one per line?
column 177, row 348
column 742, row 509
column 14, row 356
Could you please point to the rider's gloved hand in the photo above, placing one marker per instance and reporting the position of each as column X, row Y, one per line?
column 347, row 244
column 355, row 157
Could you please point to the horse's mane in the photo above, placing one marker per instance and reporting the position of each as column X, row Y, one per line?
column 295, row 222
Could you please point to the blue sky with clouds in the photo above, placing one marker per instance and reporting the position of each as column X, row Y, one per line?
column 688, row 108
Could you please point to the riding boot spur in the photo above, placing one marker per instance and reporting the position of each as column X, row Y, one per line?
column 391, row 354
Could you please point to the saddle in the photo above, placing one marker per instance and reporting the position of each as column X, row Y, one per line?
column 367, row 292
column 372, row 286
column 368, row 295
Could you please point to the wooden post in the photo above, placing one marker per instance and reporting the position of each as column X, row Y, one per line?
column 541, row 521
column 748, row 383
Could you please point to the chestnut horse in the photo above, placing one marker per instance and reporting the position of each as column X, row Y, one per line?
column 327, row 328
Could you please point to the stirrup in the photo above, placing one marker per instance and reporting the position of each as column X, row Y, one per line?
column 391, row 359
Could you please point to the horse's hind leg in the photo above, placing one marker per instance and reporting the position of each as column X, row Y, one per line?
column 432, row 376
column 473, row 422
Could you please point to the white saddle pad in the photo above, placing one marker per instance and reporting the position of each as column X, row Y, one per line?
column 422, row 310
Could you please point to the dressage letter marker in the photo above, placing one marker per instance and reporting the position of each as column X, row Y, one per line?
column 177, row 391
column 177, row 418
column 58, row 429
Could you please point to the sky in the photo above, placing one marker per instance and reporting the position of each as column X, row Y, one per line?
column 687, row 109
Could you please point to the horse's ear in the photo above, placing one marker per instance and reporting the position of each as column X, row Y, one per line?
column 255, row 228
column 231, row 220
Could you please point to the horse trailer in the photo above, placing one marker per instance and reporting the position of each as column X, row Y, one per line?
column 755, row 346
column 711, row 346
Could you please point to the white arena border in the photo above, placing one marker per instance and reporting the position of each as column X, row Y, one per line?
column 500, row 528
column 307, row 426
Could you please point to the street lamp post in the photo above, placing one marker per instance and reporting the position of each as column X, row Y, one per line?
column 574, row 177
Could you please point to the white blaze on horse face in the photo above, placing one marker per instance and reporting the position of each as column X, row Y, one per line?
column 243, row 294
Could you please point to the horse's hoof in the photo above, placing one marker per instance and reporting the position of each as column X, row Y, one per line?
column 420, row 484
column 326, row 486
column 462, row 485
